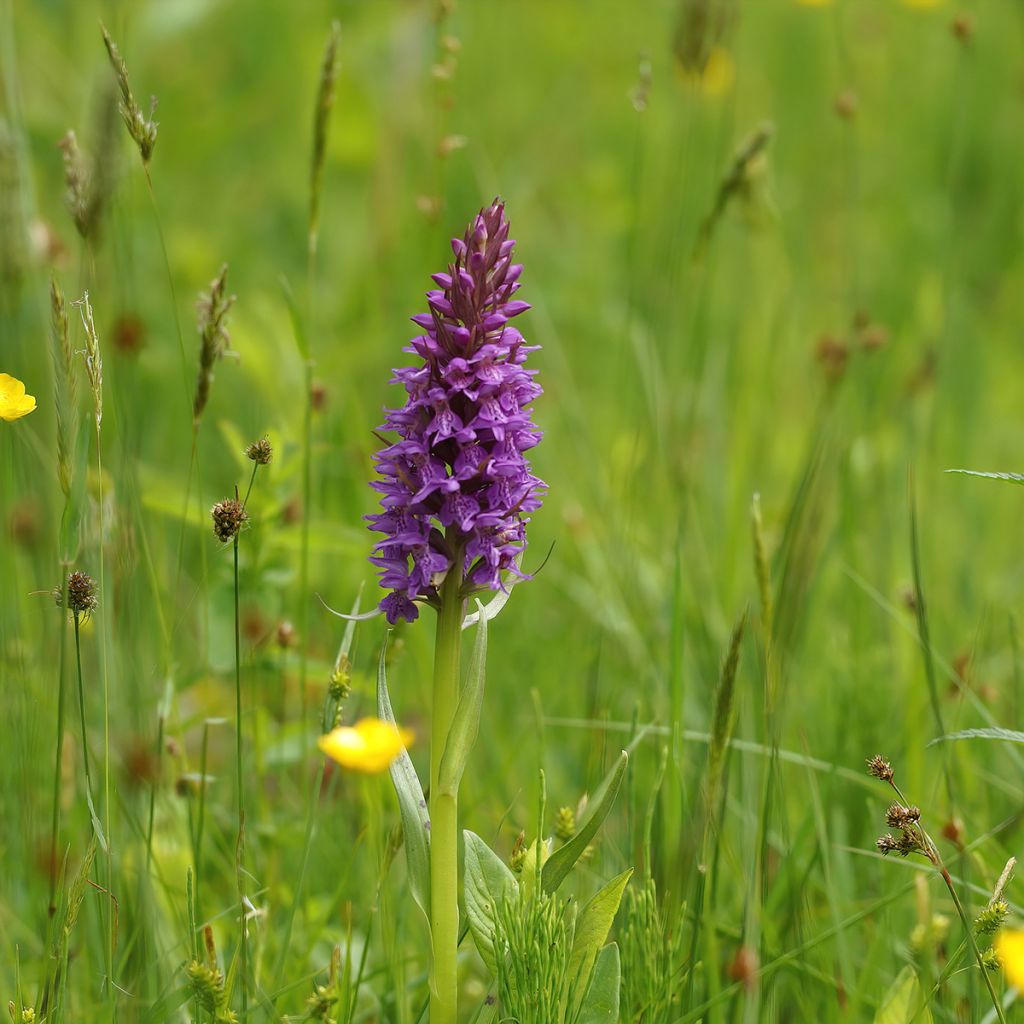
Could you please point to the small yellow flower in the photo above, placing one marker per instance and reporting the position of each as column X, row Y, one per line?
column 1010, row 947
column 922, row 5
column 368, row 746
column 14, row 403
column 814, row 3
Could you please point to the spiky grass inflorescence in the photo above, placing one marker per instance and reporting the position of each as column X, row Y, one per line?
column 142, row 129
column 93, row 359
column 76, row 181
column 212, row 308
column 652, row 956
column 65, row 390
column 533, row 982
column 321, row 122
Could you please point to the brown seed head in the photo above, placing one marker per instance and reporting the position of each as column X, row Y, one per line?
column 259, row 452
column 963, row 27
column 81, row 594
column 846, row 104
column 229, row 516
column 898, row 816
column 886, row 844
column 285, row 635
column 880, row 768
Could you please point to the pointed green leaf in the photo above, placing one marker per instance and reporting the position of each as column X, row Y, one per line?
column 560, row 863
column 96, row 826
column 601, row 1003
column 991, row 733
column 298, row 331
column 466, row 723
column 1013, row 478
column 593, row 925
column 488, row 880
column 904, row 1002
column 411, row 802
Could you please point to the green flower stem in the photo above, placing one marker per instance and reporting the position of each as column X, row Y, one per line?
column 59, row 748
column 81, row 709
column 240, row 847
column 444, row 810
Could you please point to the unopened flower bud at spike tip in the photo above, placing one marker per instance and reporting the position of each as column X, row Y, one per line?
column 456, row 487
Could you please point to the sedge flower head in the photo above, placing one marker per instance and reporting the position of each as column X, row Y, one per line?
column 14, row 403
column 456, row 487
column 369, row 746
column 1009, row 946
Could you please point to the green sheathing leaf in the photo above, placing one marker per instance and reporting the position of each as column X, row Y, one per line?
column 488, row 881
column 466, row 724
column 593, row 925
column 601, row 1003
column 411, row 803
column 560, row 863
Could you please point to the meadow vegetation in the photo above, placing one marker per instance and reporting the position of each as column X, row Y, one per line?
column 772, row 251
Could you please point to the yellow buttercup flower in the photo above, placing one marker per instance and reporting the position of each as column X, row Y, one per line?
column 14, row 403
column 1010, row 947
column 368, row 746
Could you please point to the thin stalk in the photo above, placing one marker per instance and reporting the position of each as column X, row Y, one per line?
column 307, row 496
column 152, row 789
column 240, row 846
column 59, row 747
column 200, row 819
column 81, row 709
column 931, row 851
column 969, row 929
column 444, row 812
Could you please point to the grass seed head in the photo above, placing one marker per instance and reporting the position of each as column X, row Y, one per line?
column 142, row 129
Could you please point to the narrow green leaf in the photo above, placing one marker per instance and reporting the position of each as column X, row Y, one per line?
column 298, row 331
column 466, row 724
column 96, row 826
column 488, row 880
column 411, row 803
column 1013, row 478
column 593, row 925
column 560, row 863
column 904, row 1002
column 993, row 733
column 601, row 1003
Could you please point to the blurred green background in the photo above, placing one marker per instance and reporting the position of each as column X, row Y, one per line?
column 842, row 331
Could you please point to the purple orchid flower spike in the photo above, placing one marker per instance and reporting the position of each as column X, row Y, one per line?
column 456, row 487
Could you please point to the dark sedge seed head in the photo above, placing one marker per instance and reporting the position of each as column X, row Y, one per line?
column 880, row 768
column 259, row 452
column 898, row 816
column 81, row 593
column 229, row 516
column 887, row 844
